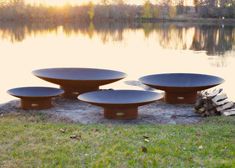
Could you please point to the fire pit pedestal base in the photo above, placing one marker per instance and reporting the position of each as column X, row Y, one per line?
column 36, row 104
column 73, row 92
column 180, row 98
column 121, row 113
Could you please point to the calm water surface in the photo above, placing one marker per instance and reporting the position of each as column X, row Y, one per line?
column 135, row 49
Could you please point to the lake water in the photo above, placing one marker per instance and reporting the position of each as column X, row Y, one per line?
column 137, row 49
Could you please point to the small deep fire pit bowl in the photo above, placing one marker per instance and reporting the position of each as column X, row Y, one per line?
column 75, row 81
column 35, row 98
column 120, row 104
column 181, row 88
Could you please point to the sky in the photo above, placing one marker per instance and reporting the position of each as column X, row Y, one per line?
column 73, row 2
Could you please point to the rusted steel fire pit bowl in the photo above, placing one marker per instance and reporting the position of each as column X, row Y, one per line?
column 120, row 104
column 35, row 98
column 181, row 88
column 75, row 81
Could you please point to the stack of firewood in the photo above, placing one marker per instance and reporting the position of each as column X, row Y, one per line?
column 215, row 102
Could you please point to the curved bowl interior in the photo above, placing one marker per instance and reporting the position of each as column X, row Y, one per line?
column 120, row 97
column 79, row 74
column 181, row 80
column 35, row 92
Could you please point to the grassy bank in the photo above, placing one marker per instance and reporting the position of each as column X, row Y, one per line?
column 33, row 140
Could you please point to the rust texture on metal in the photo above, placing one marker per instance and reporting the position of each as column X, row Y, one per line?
column 75, row 81
column 181, row 88
column 35, row 98
column 120, row 104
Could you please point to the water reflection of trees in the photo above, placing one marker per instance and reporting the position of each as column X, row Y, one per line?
column 215, row 40
column 17, row 32
column 106, row 32
column 175, row 36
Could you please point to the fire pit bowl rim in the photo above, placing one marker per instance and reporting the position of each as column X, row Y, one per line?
column 86, row 97
column 119, row 75
column 53, row 92
column 170, row 86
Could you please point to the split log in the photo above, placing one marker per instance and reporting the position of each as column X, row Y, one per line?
column 200, row 102
column 214, row 93
column 229, row 112
column 222, row 102
column 201, row 110
column 225, row 106
column 210, row 103
column 219, row 97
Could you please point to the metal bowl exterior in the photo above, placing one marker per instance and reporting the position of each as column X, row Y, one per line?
column 35, row 92
column 181, row 88
column 76, row 81
column 35, row 98
column 120, row 104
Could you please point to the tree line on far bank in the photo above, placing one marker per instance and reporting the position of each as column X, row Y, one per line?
column 15, row 10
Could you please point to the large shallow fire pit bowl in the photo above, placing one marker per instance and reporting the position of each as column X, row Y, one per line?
column 75, row 81
column 35, row 97
column 120, row 104
column 181, row 88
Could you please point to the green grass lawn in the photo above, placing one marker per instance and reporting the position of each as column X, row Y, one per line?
column 34, row 141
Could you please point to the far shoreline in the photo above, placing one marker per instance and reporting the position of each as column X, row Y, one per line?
column 194, row 20
column 184, row 20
